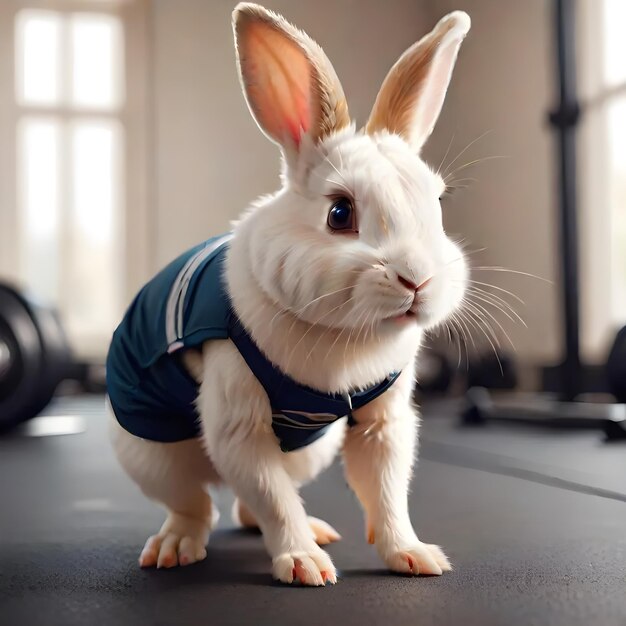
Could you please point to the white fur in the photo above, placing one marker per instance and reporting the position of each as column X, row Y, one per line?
column 328, row 309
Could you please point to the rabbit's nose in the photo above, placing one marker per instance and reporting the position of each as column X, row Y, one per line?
column 395, row 274
column 408, row 284
column 411, row 286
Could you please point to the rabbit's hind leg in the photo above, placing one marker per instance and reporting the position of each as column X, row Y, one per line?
column 176, row 475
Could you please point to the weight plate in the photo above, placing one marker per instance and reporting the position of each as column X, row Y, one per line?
column 6, row 360
column 20, row 388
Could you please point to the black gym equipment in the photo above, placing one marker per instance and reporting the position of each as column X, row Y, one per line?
column 434, row 372
column 616, row 367
column 492, row 370
column 564, row 410
column 34, row 357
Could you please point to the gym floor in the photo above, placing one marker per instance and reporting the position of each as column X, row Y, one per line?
column 534, row 522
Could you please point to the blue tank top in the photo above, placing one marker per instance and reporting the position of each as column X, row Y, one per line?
column 187, row 303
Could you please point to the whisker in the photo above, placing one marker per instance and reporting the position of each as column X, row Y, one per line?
column 340, row 158
column 493, row 347
column 327, row 159
column 373, row 323
column 311, row 327
column 481, row 326
column 510, row 293
column 475, row 161
column 356, row 340
column 460, row 258
column 446, row 154
column 494, row 268
column 467, row 310
column 461, row 180
column 325, row 295
column 322, row 335
column 492, row 317
column 496, row 302
column 341, row 185
column 352, row 329
column 472, row 252
column 467, row 147
column 335, row 342
column 454, row 330
column 460, row 342
column 467, row 337
column 510, row 313
column 278, row 313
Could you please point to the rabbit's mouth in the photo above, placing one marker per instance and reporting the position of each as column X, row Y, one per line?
column 409, row 316
column 415, row 310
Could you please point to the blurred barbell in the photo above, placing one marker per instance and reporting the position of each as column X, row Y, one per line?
column 34, row 357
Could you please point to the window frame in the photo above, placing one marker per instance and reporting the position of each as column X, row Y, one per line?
column 598, row 323
column 135, row 117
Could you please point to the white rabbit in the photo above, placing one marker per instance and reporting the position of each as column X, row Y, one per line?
column 333, row 280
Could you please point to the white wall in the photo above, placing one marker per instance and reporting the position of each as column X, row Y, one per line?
column 8, row 221
column 210, row 158
column 502, row 87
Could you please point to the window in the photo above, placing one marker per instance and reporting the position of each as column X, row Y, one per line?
column 67, row 239
column 614, row 77
column 603, row 173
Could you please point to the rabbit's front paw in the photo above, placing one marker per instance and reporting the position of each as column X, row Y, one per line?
column 420, row 558
column 312, row 568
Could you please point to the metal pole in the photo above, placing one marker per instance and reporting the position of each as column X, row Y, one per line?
column 564, row 120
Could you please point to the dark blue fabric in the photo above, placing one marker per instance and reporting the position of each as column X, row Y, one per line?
column 152, row 394
column 300, row 414
column 150, row 391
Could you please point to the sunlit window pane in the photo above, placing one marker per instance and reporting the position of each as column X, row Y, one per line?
column 96, row 158
column 616, row 134
column 93, row 146
column 38, row 150
column 96, row 61
column 614, row 42
column 70, row 155
column 38, row 37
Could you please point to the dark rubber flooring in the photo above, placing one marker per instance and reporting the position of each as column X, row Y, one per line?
column 535, row 523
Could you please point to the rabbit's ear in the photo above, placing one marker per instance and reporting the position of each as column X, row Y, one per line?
column 289, row 83
column 411, row 97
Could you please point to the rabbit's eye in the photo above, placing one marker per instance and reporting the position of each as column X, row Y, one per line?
column 342, row 215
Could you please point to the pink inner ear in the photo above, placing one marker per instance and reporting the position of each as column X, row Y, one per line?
column 277, row 76
column 300, row 122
